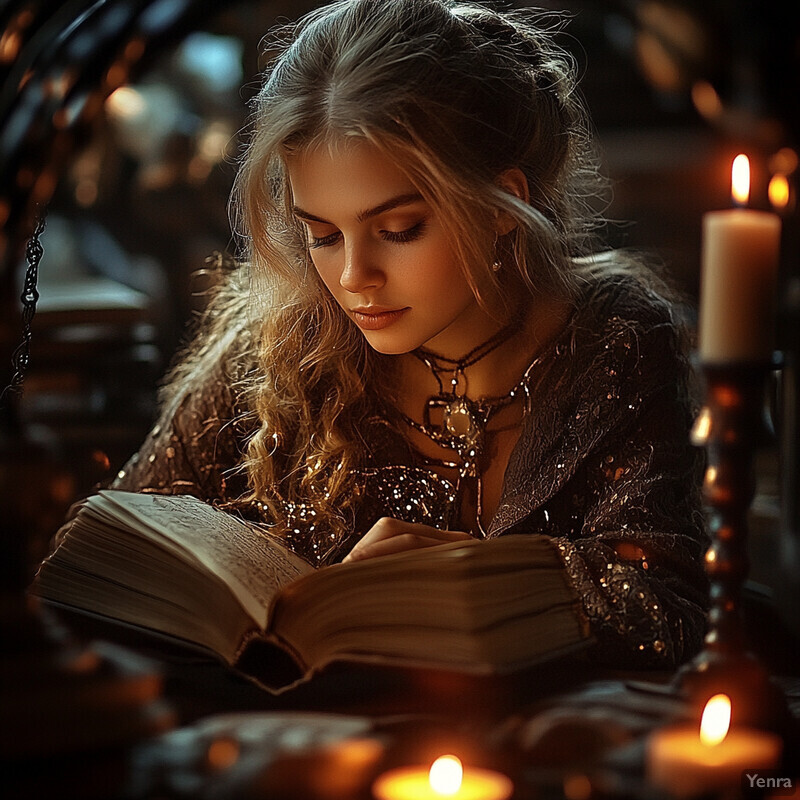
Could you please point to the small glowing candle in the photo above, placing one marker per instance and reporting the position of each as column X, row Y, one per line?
column 739, row 273
column 446, row 779
column 687, row 762
column 778, row 191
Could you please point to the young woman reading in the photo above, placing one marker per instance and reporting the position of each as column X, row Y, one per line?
column 419, row 344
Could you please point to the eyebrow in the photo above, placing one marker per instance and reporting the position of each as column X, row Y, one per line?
column 389, row 205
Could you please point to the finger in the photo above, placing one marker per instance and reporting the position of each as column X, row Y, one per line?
column 388, row 527
column 395, row 544
column 407, row 536
column 384, row 528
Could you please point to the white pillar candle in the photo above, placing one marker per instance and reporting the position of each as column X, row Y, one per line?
column 737, row 291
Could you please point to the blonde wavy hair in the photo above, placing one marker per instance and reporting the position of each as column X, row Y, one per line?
column 454, row 93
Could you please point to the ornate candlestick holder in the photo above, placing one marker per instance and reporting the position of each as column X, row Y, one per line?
column 732, row 425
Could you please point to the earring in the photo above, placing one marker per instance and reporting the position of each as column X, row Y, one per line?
column 497, row 264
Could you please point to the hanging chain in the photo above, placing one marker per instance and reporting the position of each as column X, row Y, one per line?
column 29, row 297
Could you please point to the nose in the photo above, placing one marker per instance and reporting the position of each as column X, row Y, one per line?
column 360, row 271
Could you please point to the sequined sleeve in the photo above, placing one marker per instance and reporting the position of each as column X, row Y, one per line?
column 606, row 467
column 635, row 554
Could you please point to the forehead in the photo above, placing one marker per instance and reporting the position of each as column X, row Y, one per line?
column 344, row 174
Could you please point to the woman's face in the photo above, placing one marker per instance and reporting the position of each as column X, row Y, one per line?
column 382, row 252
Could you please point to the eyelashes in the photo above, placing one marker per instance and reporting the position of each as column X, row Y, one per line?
column 408, row 235
column 322, row 241
column 396, row 237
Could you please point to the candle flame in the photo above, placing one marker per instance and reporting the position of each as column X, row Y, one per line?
column 716, row 720
column 740, row 179
column 779, row 191
column 445, row 775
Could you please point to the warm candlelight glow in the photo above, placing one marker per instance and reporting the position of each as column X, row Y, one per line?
column 446, row 774
column 125, row 103
column 687, row 765
column 706, row 100
column 740, row 179
column 784, row 161
column 716, row 720
column 779, row 191
column 702, row 427
column 446, row 779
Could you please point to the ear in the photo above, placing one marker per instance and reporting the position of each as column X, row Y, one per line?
column 514, row 182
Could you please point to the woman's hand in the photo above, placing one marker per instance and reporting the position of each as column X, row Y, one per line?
column 389, row 535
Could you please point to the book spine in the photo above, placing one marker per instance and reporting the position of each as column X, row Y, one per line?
column 271, row 662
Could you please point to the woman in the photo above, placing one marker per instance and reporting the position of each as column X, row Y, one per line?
column 420, row 347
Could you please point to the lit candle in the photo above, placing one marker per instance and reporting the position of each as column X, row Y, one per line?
column 739, row 272
column 687, row 762
column 778, row 192
column 446, row 779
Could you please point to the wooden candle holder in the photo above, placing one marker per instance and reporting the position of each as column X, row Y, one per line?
column 732, row 425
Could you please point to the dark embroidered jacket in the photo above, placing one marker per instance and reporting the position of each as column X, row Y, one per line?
column 603, row 465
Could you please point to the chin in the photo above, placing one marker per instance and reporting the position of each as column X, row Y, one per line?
column 389, row 350
column 391, row 345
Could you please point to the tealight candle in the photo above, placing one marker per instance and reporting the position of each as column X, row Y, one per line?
column 687, row 762
column 739, row 274
column 446, row 778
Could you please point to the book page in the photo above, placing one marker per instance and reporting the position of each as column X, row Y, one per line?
column 475, row 606
column 252, row 562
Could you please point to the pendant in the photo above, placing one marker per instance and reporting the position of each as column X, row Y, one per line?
column 460, row 429
column 459, row 421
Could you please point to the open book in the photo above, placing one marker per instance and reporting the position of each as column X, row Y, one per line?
column 180, row 567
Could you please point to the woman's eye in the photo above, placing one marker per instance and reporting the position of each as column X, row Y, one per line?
column 408, row 235
column 322, row 241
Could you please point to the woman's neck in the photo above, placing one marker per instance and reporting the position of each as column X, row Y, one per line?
column 497, row 372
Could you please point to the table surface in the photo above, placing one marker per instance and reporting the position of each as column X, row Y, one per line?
column 563, row 730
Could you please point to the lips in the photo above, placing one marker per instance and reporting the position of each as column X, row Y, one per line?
column 375, row 318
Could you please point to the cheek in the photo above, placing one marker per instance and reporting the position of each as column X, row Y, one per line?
column 445, row 276
column 327, row 272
